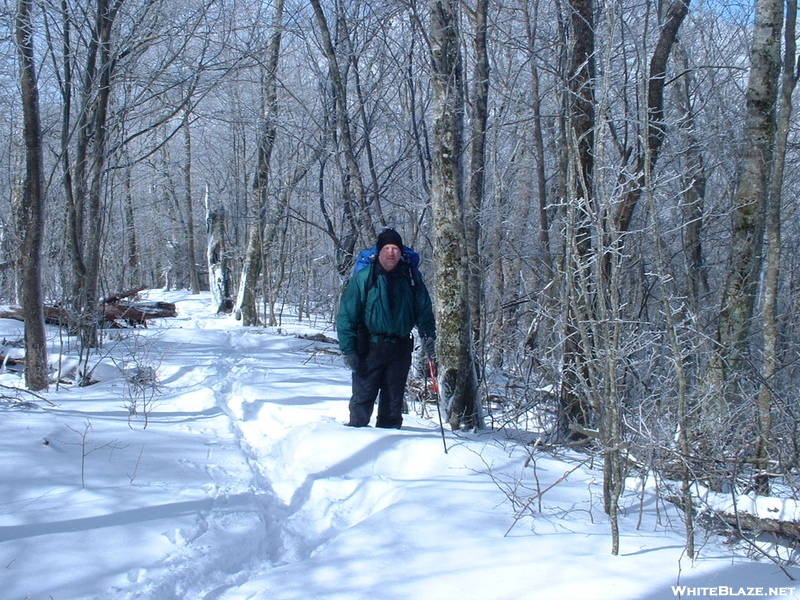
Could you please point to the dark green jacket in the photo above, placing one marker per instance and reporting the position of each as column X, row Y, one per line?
column 386, row 304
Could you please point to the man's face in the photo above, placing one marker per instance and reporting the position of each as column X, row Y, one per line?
column 389, row 257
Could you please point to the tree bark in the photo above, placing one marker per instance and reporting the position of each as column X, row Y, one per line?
column 693, row 178
column 356, row 217
column 131, row 275
column 773, row 250
column 194, row 277
column 32, row 207
column 575, row 405
column 656, row 128
column 84, row 177
column 748, row 218
column 477, row 170
column 219, row 276
column 458, row 384
column 538, row 141
column 254, row 254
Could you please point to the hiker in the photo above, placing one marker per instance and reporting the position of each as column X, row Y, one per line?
column 382, row 303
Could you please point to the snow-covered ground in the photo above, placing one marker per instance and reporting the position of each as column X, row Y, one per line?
column 245, row 484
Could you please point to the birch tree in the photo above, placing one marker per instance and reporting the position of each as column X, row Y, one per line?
column 219, row 276
column 749, row 210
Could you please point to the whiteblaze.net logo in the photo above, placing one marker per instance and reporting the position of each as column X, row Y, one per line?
column 685, row 591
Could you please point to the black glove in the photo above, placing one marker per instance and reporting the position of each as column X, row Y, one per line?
column 429, row 348
column 351, row 361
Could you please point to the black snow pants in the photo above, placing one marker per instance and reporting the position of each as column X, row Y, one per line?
column 384, row 369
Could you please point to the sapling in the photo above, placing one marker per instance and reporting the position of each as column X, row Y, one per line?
column 86, row 447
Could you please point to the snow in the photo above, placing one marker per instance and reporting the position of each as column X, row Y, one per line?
column 244, row 484
column 766, row 507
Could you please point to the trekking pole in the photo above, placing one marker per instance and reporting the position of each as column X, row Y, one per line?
column 435, row 387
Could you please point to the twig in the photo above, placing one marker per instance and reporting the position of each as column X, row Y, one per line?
column 530, row 500
column 16, row 389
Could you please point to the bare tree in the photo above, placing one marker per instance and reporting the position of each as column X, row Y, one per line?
column 580, row 111
column 458, row 379
column 694, row 179
column 356, row 217
column 254, row 253
column 656, row 128
column 32, row 209
column 194, row 277
column 219, row 276
column 748, row 217
column 477, row 167
column 85, row 177
column 531, row 23
column 772, row 244
column 132, row 271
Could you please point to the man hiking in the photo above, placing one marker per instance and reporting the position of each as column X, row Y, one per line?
column 380, row 306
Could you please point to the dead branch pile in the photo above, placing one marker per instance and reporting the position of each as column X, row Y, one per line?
column 118, row 312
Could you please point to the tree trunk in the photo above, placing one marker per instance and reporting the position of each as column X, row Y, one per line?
column 132, row 276
column 458, row 384
column 356, row 217
column 84, row 177
column 580, row 133
column 253, row 263
column 32, row 208
column 219, row 276
column 373, row 204
column 748, row 218
column 773, row 251
column 538, row 144
column 477, row 170
column 656, row 129
column 194, row 278
column 693, row 179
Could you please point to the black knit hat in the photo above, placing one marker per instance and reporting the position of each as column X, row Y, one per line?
column 389, row 236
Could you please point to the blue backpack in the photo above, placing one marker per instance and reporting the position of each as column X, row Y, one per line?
column 368, row 255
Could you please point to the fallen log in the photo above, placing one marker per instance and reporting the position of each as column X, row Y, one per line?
column 13, row 361
column 58, row 315
column 762, row 524
column 138, row 313
column 113, row 298
column 11, row 312
column 53, row 315
column 115, row 314
column 753, row 514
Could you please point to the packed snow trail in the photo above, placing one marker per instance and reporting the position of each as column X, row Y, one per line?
column 281, row 394
column 286, row 400
column 241, row 527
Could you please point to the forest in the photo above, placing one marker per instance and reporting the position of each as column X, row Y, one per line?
column 601, row 192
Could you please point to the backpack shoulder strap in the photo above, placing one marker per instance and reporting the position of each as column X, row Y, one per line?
column 372, row 278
